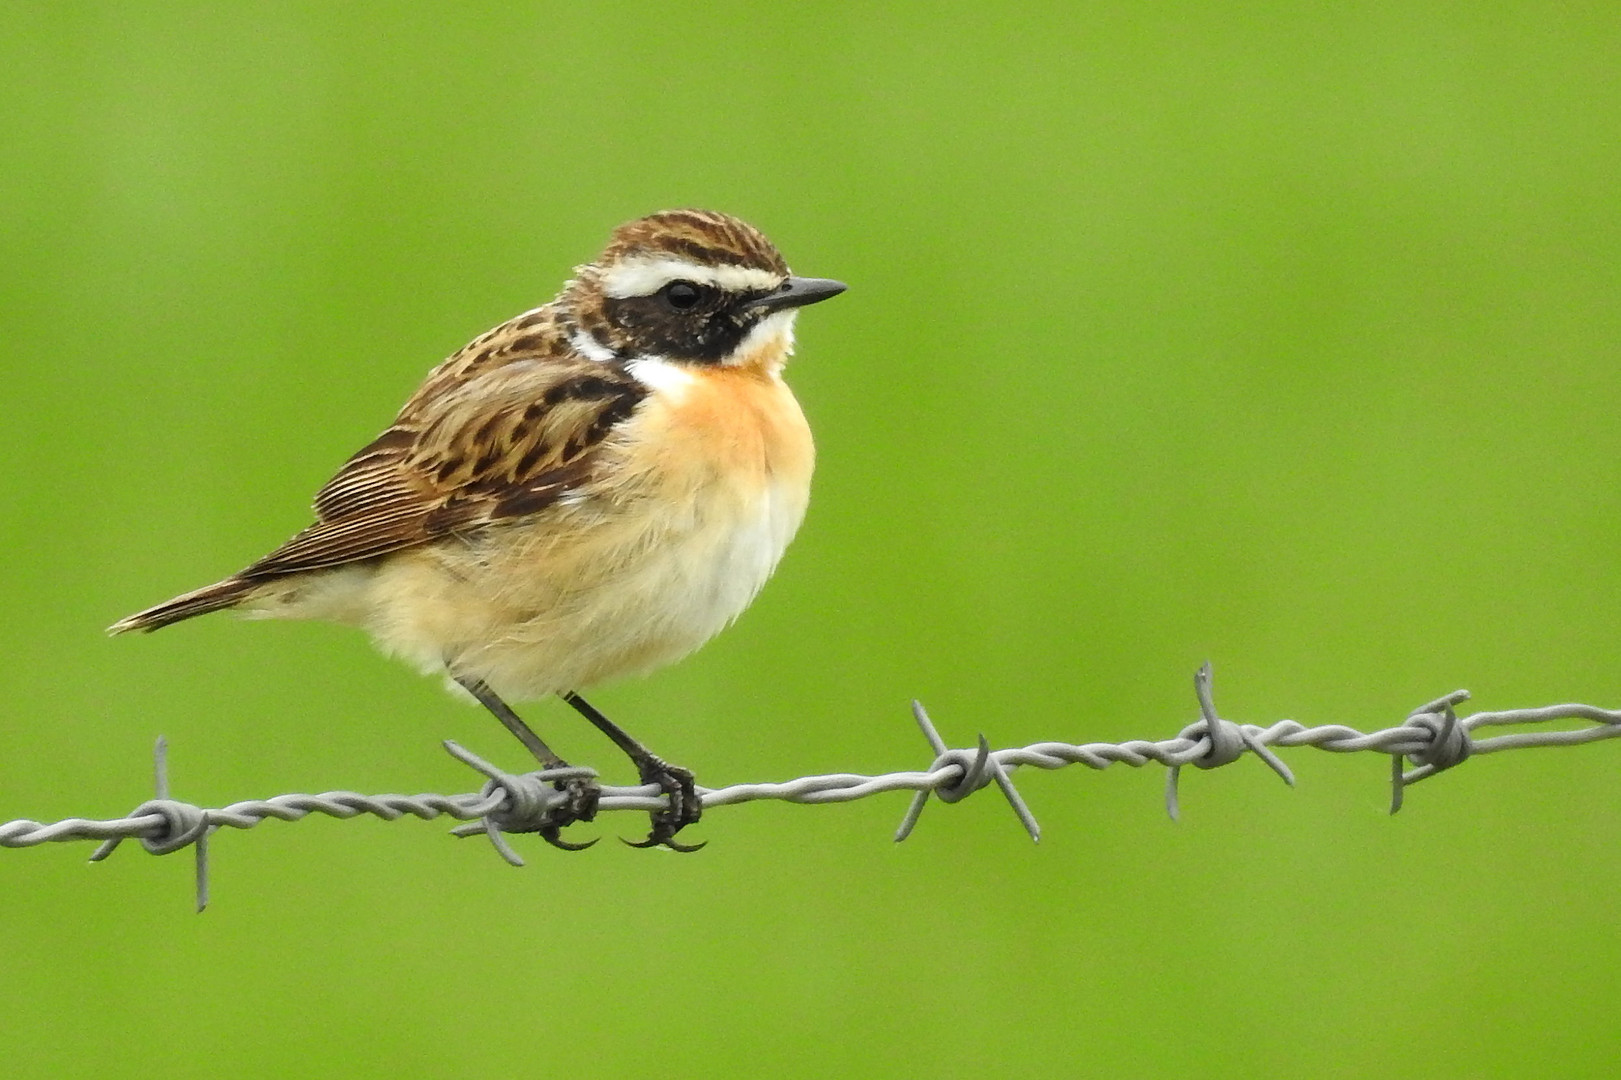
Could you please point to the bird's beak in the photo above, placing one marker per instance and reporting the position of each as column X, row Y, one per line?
column 797, row 292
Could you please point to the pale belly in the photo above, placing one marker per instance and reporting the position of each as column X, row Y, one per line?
column 537, row 618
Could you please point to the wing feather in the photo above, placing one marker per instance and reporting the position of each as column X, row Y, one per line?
column 506, row 441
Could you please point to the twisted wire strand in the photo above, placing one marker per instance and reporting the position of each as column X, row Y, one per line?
column 1433, row 738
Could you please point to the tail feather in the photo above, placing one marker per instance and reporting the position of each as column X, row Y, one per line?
column 215, row 597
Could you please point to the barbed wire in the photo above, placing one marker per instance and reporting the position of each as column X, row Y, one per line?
column 1432, row 738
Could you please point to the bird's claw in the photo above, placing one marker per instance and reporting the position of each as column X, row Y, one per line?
column 581, row 796
column 550, row 835
column 663, row 837
column 684, row 805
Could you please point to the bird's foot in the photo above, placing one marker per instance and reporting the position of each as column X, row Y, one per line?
column 580, row 797
column 684, row 805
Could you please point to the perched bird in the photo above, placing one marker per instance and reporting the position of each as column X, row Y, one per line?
column 592, row 489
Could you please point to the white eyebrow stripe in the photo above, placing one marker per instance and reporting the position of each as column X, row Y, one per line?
column 644, row 277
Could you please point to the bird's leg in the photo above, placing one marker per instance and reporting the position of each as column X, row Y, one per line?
column 581, row 794
column 685, row 806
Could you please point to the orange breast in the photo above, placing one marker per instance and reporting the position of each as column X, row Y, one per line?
column 739, row 426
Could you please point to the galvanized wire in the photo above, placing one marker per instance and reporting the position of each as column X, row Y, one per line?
column 1432, row 738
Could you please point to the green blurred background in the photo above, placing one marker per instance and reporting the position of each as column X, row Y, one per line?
column 1279, row 335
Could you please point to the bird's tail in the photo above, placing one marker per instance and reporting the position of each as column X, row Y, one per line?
column 222, row 594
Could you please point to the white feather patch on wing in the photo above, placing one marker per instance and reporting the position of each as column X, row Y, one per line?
column 644, row 277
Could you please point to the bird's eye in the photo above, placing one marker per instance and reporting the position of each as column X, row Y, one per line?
column 681, row 295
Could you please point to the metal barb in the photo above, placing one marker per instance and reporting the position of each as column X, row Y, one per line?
column 515, row 802
column 1396, row 785
column 1266, row 755
column 1447, row 743
column 182, row 824
column 472, row 760
column 160, row 767
column 921, row 715
column 1204, row 692
column 202, row 871
column 1011, row 793
column 499, row 842
column 972, row 776
column 921, row 798
column 1173, row 805
column 1225, row 742
column 1447, row 701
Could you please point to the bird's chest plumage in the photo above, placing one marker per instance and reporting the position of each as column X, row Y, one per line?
column 696, row 500
column 722, row 465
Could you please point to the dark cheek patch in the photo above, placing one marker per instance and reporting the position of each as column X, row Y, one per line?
column 705, row 334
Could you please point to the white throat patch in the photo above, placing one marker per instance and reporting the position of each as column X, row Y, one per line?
column 660, row 375
column 773, row 333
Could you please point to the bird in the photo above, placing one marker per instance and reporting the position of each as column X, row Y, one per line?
column 590, row 490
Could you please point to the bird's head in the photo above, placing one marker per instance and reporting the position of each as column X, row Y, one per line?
column 690, row 287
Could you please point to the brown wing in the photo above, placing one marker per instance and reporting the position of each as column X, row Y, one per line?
column 508, row 441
